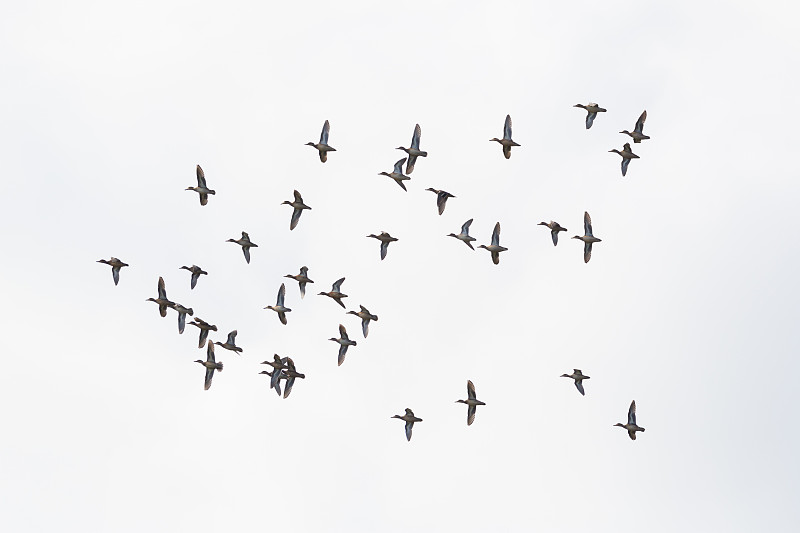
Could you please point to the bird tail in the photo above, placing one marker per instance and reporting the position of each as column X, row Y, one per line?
column 423, row 154
column 219, row 366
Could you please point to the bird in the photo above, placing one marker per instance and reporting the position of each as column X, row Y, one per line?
column 592, row 110
column 336, row 293
column 627, row 155
column 302, row 278
column 385, row 239
column 472, row 402
column 578, row 376
column 279, row 307
column 278, row 364
column 638, row 134
column 291, row 374
column 414, row 151
column 495, row 247
column 588, row 238
column 464, row 235
column 441, row 198
column 409, row 419
column 201, row 188
column 555, row 227
column 115, row 264
column 196, row 272
column 344, row 342
column 631, row 425
column 506, row 140
column 230, row 344
column 182, row 312
column 397, row 174
column 162, row 300
column 211, row 364
column 298, row 209
column 276, row 384
column 323, row 146
column 246, row 244
column 204, row 327
column 365, row 317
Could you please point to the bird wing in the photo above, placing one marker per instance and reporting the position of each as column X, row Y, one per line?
column 201, row 178
column 195, row 276
column 281, row 295
column 416, row 137
column 297, row 197
column 246, row 252
column 384, row 248
column 590, row 119
column 181, row 322
column 640, row 122
column 203, row 337
column 579, row 386
column 632, row 413
column 232, row 337
column 302, row 289
column 471, row 414
column 295, row 218
column 470, row 390
column 398, row 167
column 507, row 129
column 587, row 251
column 554, row 234
column 507, row 152
column 625, row 163
column 282, row 317
column 210, row 353
column 587, row 224
column 496, row 235
column 287, row 390
column 441, row 199
column 365, row 326
column 209, row 375
column 496, row 258
column 115, row 274
column 337, row 285
column 409, row 426
column 343, row 333
column 465, row 227
column 326, row 129
column 412, row 160
column 162, row 289
column 342, row 352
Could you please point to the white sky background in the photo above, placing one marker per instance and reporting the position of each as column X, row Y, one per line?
column 689, row 305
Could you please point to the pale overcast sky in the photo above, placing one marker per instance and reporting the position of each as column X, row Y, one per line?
column 689, row 304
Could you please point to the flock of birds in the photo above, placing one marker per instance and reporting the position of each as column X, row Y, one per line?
column 283, row 368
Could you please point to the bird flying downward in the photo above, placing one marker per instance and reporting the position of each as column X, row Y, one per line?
column 506, row 141
column 201, row 188
column 115, row 265
column 414, row 151
column 322, row 147
column 298, row 206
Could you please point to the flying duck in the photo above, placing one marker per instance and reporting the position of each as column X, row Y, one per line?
column 344, row 342
column 196, row 272
column 246, row 244
column 211, row 364
column 409, row 419
column 414, row 151
column 495, row 247
column 631, row 425
column 397, row 174
column 201, row 188
column 441, row 198
column 385, row 239
column 464, row 235
column 365, row 317
column 204, row 327
column 115, row 264
column 588, row 238
column 182, row 312
column 162, row 300
column 298, row 206
column 591, row 112
column 578, row 376
column 336, row 293
column 323, row 146
column 638, row 135
column 555, row 227
column 506, row 140
column 279, row 307
column 472, row 403
column 302, row 278
column 230, row 344
column 627, row 155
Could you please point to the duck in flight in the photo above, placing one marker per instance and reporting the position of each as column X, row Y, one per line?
column 464, row 235
column 182, row 312
column 495, row 247
column 592, row 110
column 555, row 227
column 336, row 293
column 409, row 419
column 278, row 365
column 279, row 307
column 162, row 300
column 211, row 364
column 291, row 374
column 631, row 425
column 322, row 146
column 414, row 151
column 638, row 131
column 302, row 278
column 385, row 239
column 230, row 343
column 196, row 273
column 204, row 327
column 588, row 239
column 201, row 188
column 344, row 342
column 472, row 402
column 298, row 206
column 365, row 317
column 441, row 198
column 506, row 140
column 627, row 155
column 246, row 244
column 578, row 376
column 397, row 174
column 115, row 265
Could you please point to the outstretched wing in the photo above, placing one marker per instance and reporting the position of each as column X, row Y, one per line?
column 441, row 200
column 632, row 413
column 507, row 130
column 232, row 337
column 162, row 289
column 210, row 353
column 115, row 274
column 412, row 160
column 640, row 122
column 201, row 178
column 465, row 227
column 384, row 249
column 409, row 426
column 579, row 386
column 326, row 129
column 209, row 375
column 587, row 251
column 416, row 137
column 590, row 119
column 470, row 390
column 471, row 414
column 496, row 235
column 587, row 224
column 398, row 167
column 337, row 285
column 625, row 163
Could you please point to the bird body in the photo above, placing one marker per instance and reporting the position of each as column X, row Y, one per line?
column 414, row 151
column 588, row 238
column 385, row 239
column 495, row 247
column 506, row 141
column 592, row 110
column 409, row 419
column 336, row 293
column 397, row 174
column 322, row 146
column 246, row 244
column 115, row 265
